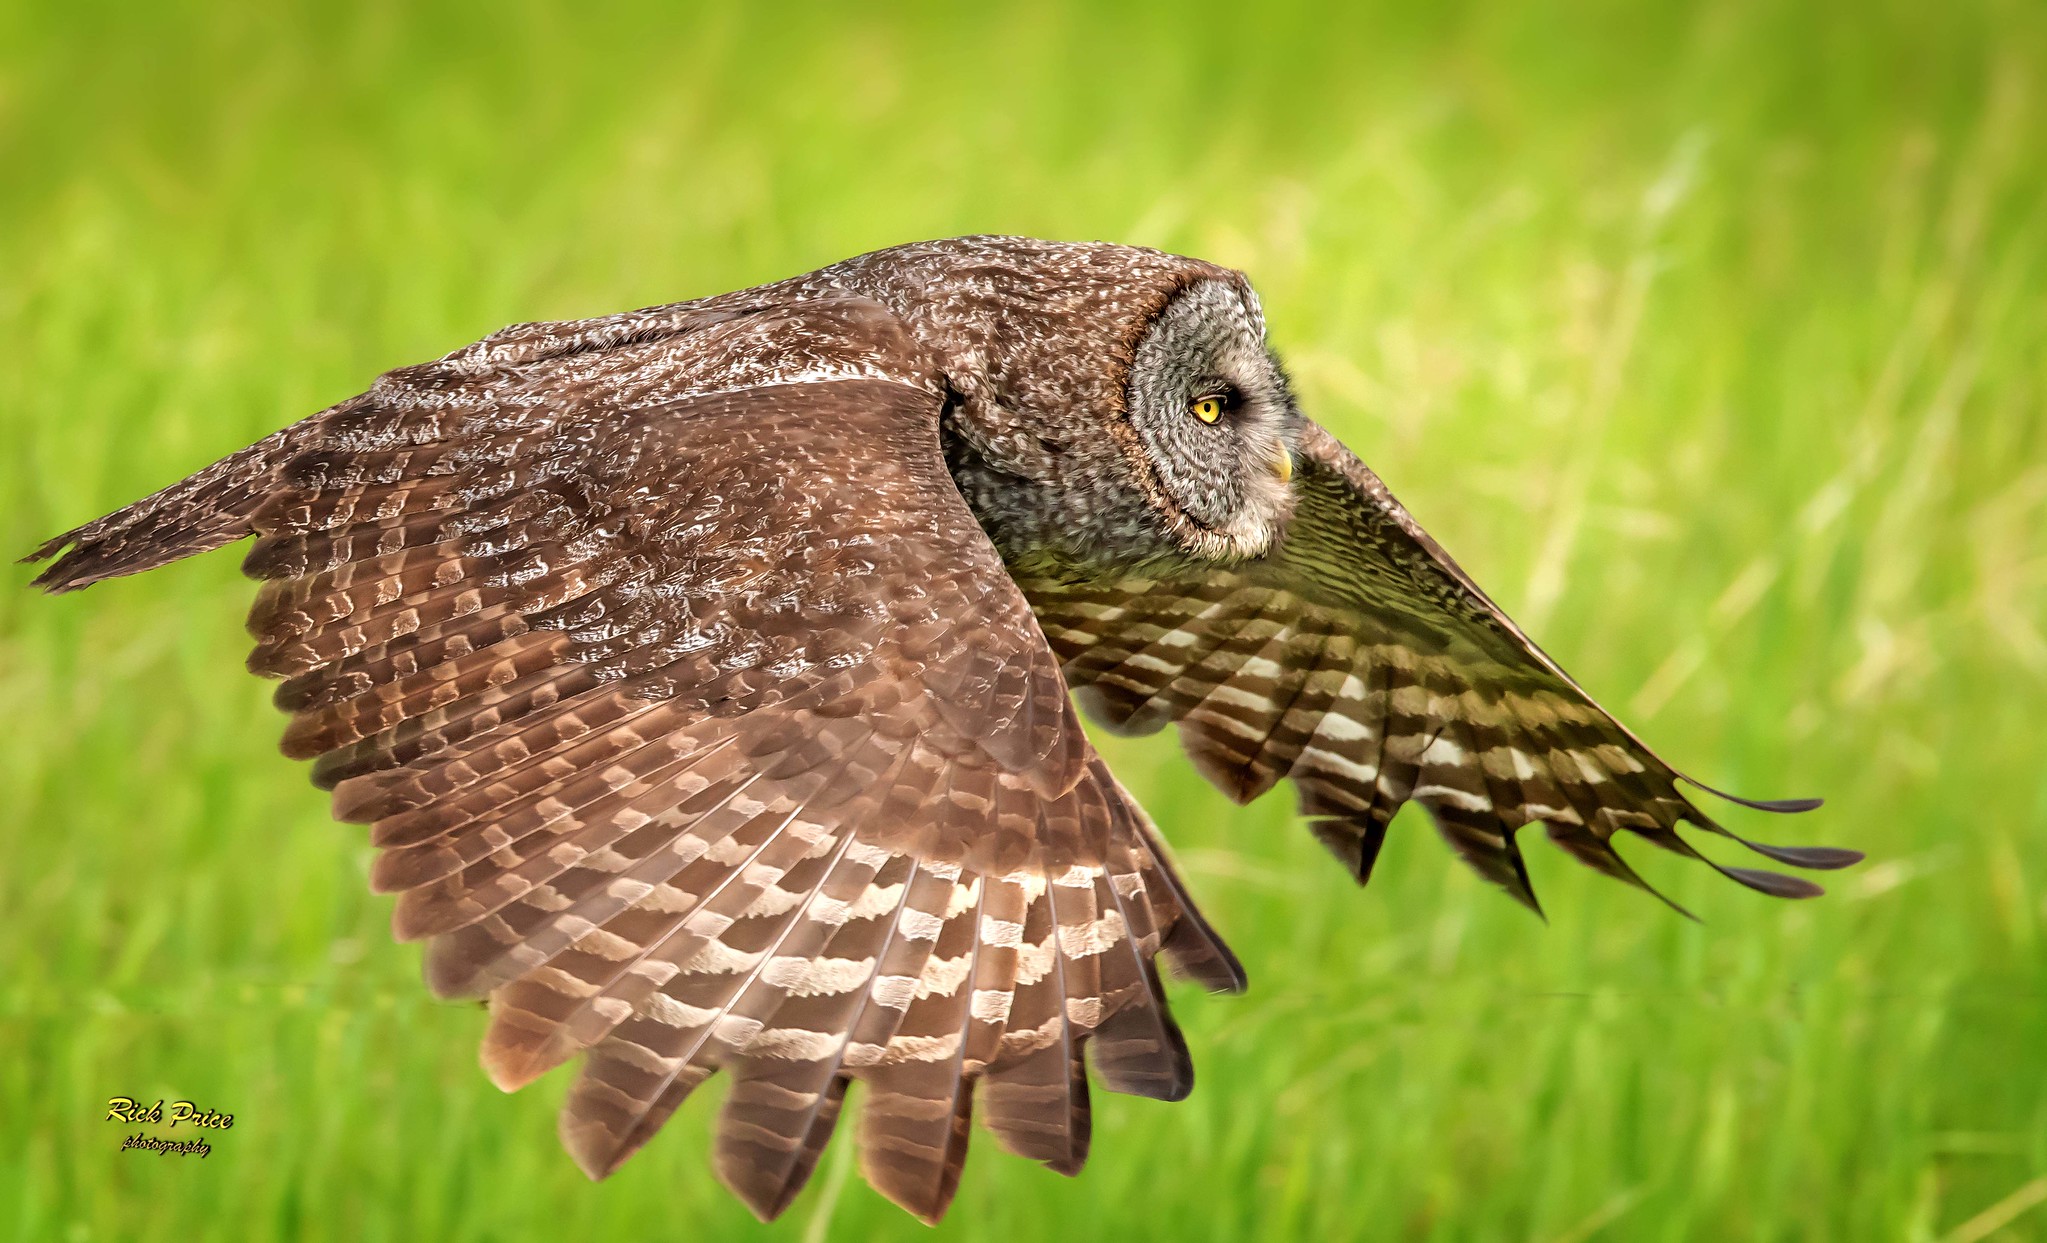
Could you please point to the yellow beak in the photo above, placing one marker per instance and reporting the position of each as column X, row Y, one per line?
column 1282, row 463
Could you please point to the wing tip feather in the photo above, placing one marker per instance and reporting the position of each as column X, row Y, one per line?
column 70, row 572
column 1777, row 806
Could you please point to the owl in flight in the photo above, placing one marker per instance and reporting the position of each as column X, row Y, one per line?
column 703, row 674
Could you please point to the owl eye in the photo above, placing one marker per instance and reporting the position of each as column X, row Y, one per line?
column 1208, row 409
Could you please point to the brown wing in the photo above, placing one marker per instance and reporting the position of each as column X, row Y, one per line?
column 1363, row 664
column 703, row 729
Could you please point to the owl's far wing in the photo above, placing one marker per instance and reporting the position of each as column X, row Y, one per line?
column 1361, row 662
column 701, row 728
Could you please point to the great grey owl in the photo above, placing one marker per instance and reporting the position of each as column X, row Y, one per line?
column 703, row 673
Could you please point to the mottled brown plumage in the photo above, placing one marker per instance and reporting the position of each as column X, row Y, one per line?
column 702, row 673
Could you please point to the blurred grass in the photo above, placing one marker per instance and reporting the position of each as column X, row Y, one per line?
column 1712, row 338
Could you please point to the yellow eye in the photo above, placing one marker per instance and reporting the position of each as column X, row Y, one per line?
column 1207, row 409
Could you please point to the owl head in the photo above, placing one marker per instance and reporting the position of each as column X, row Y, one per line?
column 1111, row 406
column 1212, row 416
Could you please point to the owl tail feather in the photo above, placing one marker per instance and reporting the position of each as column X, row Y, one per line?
column 197, row 514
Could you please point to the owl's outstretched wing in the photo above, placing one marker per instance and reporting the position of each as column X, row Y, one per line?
column 701, row 728
column 1362, row 663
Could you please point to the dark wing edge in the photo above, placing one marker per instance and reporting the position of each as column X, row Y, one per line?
column 655, row 814
column 1362, row 663
column 200, row 513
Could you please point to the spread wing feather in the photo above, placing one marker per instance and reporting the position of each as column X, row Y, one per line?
column 700, row 728
column 1360, row 662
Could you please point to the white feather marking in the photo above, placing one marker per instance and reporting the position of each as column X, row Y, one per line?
column 1330, row 761
column 607, row 860
column 773, row 900
column 943, row 976
column 1262, row 667
column 667, row 900
column 562, row 982
column 921, row 1048
column 876, row 900
column 627, row 889
column 1152, row 664
column 860, row 854
column 548, row 898
column 606, row 945
column 729, row 851
column 718, row 958
column 830, row 912
column 1079, row 876
column 1460, row 798
column 1232, row 694
column 920, row 925
column 1091, row 938
column 565, row 855
column 613, row 1010
column 709, row 925
column 860, row 1053
column 1230, row 724
column 815, row 977
column 1033, row 961
column 736, row 1031
column 1588, row 766
column 1339, row 727
column 795, row 1044
column 665, row 1009
column 1000, row 932
column 1441, row 751
column 893, row 992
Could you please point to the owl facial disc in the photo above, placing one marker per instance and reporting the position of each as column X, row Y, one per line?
column 1213, row 415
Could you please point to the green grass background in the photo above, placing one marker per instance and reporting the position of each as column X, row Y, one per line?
column 1712, row 338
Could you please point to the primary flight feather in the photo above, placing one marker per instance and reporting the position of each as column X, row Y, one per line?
column 703, row 674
